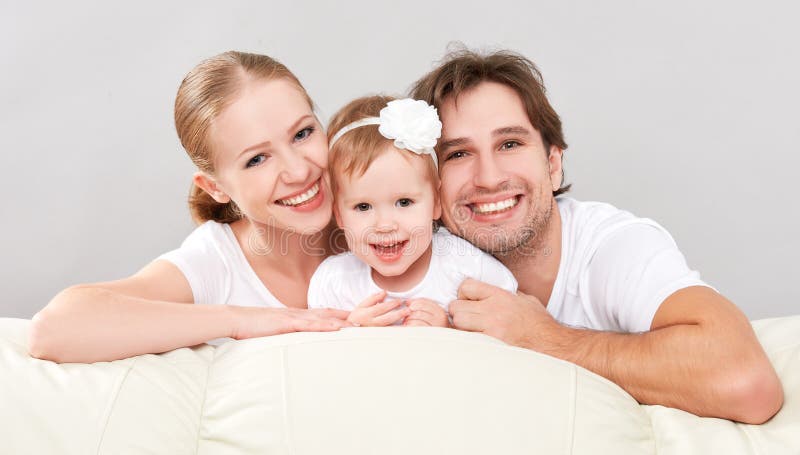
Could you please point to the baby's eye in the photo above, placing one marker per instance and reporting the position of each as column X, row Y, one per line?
column 362, row 207
column 507, row 145
column 455, row 155
column 256, row 160
column 304, row 133
column 405, row 202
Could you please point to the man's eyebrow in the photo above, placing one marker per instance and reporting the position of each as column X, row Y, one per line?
column 459, row 141
column 455, row 142
column 511, row 130
column 290, row 130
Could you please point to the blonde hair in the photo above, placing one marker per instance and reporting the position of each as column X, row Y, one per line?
column 356, row 150
column 204, row 93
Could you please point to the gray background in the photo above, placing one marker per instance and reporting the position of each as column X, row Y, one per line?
column 684, row 111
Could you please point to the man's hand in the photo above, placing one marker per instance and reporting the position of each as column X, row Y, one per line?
column 375, row 312
column 426, row 313
column 517, row 319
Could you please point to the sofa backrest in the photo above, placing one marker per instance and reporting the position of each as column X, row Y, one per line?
column 361, row 390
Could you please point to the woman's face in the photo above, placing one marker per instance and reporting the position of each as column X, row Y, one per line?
column 271, row 156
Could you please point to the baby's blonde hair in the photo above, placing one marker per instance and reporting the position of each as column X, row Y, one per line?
column 356, row 150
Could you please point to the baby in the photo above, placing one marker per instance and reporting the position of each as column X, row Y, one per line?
column 385, row 183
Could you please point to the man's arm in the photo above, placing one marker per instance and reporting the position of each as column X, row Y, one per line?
column 701, row 354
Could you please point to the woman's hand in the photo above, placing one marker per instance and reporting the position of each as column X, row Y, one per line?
column 374, row 312
column 251, row 322
column 426, row 312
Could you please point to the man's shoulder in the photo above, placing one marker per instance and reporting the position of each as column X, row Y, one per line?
column 592, row 214
column 588, row 225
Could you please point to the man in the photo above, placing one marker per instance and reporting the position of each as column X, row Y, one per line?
column 598, row 286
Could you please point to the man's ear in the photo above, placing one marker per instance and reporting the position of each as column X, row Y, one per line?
column 556, row 169
column 208, row 184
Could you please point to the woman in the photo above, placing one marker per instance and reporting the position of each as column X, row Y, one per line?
column 262, row 194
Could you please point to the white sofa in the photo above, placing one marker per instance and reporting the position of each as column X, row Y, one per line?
column 359, row 391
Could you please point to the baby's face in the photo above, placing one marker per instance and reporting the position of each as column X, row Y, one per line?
column 387, row 213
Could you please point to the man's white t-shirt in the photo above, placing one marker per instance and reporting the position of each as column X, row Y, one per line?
column 344, row 280
column 615, row 269
column 217, row 271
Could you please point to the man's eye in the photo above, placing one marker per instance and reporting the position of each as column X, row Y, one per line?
column 455, row 155
column 509, row 145
column 304, row 133
column 405, row 202
column 362, row 207
column 256, row 160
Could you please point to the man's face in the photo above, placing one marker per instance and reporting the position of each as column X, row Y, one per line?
column 497, row 180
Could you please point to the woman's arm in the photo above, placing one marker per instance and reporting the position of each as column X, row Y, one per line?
column 151, row 312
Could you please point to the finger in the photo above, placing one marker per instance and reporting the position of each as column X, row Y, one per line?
column 471, row 322
column 372, row 300
column 412, row 321
column 466, row 306
column 384, row 307
column 330, row 313
column 423, row 304
column 391, row 317
column 471, row 289
column 319, row 325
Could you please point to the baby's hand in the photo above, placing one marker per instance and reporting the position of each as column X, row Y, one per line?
column 374, row 312
column 426, row 312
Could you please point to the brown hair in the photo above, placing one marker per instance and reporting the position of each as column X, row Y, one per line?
column 204, row 93
column 464, row 69
column 356, row 150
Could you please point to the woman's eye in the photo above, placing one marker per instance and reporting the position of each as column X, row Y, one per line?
column 405, row 202
column 256, row 160
column 455, row 155
column 362, row 207
column 509, row 145
column 304, row 133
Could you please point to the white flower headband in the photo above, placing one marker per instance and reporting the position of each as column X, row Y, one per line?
column 412, row 124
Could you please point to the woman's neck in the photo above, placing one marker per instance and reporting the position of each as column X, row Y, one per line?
column 293, row 254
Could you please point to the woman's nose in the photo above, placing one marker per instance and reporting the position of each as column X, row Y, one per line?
column 296, row 168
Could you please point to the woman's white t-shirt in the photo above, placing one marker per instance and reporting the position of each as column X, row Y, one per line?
column 217, row 271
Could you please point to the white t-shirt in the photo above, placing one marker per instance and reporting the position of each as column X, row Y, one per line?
column 217, row 270
column 615, row 270
column 344, row 280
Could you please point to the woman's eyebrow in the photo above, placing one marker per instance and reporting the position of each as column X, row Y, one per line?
column 297, row 123
column 265, row 144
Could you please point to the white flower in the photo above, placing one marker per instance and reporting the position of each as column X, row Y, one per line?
column 412, row 124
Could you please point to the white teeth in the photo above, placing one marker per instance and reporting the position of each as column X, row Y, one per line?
column 495, row 206
column 389, row 245
column 301, row 198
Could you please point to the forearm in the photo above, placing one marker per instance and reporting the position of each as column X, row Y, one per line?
column 697, row 368
column 85, row 324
